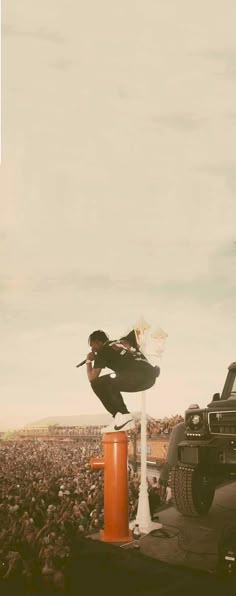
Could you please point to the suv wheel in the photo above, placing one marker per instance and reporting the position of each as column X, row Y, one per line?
column 192, row 492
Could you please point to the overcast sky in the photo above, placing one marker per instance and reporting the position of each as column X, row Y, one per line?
column 117, row 189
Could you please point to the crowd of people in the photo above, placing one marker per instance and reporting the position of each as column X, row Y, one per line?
column 158, row 428
column 155, row 428
column 56, row 430
column 49, row 497
column 162, row 427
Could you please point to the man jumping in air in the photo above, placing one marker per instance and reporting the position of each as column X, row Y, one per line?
column 132, row 373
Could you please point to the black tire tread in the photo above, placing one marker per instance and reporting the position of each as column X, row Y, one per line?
column 182, row 487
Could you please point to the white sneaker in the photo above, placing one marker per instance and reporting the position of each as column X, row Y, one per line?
column 121, row 423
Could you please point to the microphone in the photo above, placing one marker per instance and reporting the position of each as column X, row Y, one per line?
column 81, row 363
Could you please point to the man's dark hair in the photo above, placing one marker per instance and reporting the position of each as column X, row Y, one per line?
column 98, row 335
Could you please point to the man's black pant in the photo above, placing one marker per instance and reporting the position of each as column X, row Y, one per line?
column 108, row 388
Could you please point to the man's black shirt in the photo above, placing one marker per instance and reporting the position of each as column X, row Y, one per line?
column 118, row 357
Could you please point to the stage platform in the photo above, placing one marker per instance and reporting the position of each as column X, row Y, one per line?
column 195, row 542
column 190, row 541
column 179, row 560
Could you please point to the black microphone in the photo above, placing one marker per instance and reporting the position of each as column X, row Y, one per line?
column 81, row 363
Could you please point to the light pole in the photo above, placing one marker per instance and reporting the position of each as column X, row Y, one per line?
column 152, row 344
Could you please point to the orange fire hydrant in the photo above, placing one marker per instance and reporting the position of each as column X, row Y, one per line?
column 116, row 492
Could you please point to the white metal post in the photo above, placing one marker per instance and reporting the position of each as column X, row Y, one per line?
column 143, row 518
column 143, row 514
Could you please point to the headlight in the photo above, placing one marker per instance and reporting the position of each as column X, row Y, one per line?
column 194, row 421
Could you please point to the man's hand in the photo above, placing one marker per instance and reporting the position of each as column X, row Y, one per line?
column 90, row 356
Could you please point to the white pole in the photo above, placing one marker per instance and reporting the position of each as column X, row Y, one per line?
column 143, row 518
column 143, row 514
column 143, row 439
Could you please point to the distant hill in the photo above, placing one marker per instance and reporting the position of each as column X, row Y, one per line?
column 79, row 420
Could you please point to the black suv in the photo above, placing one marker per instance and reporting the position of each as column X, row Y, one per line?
column 207, row 456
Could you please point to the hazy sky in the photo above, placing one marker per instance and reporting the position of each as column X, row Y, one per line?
column 117, row 188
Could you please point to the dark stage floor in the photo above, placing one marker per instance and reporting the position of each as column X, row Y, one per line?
column 195, row 544
column 183, row 560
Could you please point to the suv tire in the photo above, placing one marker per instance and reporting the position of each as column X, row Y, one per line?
column 192, row 492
